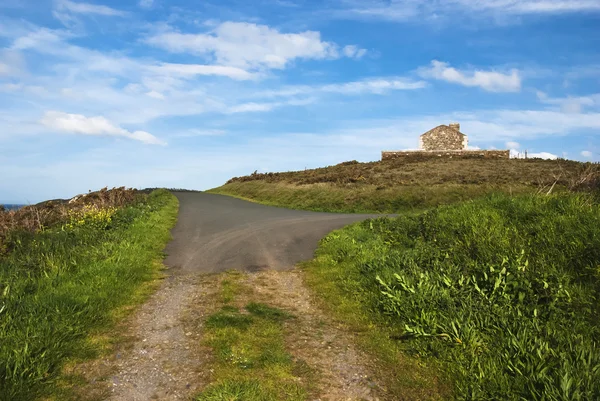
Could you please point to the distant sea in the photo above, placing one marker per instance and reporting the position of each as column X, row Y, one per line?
column 12, row 206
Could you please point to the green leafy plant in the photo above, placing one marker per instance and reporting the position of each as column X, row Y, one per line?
column 502, row 291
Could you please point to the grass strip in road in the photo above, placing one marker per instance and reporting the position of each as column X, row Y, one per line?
column 61, row 287
column 501, row 292
column 248, row 342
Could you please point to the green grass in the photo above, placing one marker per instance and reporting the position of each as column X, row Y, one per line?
column 357, row 199
column 250, row 360
column 407, row 185
column 61, row 287
column 340, row 291
column 501, row 293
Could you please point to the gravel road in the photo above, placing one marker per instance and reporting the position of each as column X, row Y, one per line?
column 215, row 233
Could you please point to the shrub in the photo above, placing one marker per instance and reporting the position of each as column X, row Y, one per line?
column 92, row 208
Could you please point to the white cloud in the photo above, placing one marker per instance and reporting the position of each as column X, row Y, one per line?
column 190, row 70
column 530, row 6
column 4, row 69
column 80, row 124
column 190, row 133
column 587, row 154
column 353, row 51
column 510, row 125
column 253, row 107
column 155, row 95
column 571, row 104
column 42, row 39
column 12, row 63
column 10, row 87
column 542, row 155
column 377, row 86
column 146, row 3
column 449, row 10
column 250, row 46
column 491, row 81
column 513, row 145
column 87, row 8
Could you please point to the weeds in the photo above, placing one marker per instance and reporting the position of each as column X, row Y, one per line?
column 49, row 214
column 60, row 285
column 502, row 291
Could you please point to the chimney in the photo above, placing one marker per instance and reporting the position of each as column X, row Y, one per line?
column 456, row 126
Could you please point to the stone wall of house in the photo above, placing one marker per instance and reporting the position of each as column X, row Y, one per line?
column 462, row 154
column 443, row 138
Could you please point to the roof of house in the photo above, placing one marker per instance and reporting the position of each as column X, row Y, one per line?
column 445, row 127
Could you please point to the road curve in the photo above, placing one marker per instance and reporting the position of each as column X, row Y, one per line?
column 215, row 233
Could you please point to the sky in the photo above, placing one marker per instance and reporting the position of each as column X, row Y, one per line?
column 187, row 94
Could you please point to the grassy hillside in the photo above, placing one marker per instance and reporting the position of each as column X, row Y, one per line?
column 501, row 291
column 63, row 283
column 400, row 185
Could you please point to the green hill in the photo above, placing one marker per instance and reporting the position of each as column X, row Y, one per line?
column 405, row 184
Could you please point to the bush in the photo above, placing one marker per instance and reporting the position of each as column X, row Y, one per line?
column 92, row 208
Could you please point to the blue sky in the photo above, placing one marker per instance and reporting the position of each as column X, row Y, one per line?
column 188, row 94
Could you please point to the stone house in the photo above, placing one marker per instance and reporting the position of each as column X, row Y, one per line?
column 443, row 137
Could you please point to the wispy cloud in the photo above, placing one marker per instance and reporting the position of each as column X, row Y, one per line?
column 529, row 6
column 352, row 51
column 191, row 70
column 587, row 154
column 252, row 107
column 194, row 132
column 146, row 3
column 11, row 63
column 542, row 155
column 80, row 124
column 434, row 10
column 377, row 86
column 252, row 46
column 88, row 8
column 571, row 104
column 492, row 81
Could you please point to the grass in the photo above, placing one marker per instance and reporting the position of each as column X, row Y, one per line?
column 250, row 360
column 402, row 185
column 44, row 215
column 339, row 289
column 62, row 286
column 500, row 293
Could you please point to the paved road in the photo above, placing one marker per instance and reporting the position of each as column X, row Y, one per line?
column 215, row 233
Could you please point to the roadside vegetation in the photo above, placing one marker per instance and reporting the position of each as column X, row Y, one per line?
column 67, row 272
column 250, row 360
column 500, row 294
column 395, row 186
